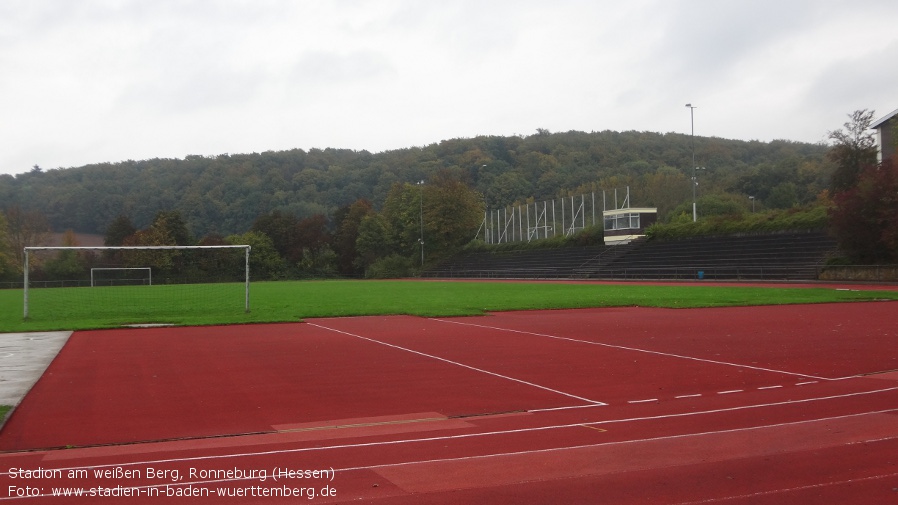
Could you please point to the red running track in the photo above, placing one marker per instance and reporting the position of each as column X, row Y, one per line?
column 787, row 404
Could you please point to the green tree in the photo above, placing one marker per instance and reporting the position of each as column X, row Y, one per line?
column 118, row 230
column 724, row 204
column 375, row 240
column 67, row 264
column 452, row 213
column 159, row 260
column 402, row 211
column 665, row 189
column 783, row 196
column 280, row 227
column 854, row 149
column 264, row 261
column 171, row 224
column 349, row 219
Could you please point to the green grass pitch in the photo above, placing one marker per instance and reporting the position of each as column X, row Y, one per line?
column 291, row 301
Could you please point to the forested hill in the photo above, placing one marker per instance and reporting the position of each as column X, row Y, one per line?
column 226, row 193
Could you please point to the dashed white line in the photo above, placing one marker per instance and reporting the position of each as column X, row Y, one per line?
column 771, row 387
column 696, row 395
column 731, row 391
column 635, row 349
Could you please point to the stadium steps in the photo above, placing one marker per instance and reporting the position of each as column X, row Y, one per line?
column 521, row 264
column 785, row 256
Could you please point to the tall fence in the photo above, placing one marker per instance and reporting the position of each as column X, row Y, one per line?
column 562, row 216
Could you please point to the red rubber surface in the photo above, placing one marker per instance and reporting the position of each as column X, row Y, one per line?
column 795, row 404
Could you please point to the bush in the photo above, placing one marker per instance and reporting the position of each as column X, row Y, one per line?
column 813, row 217
column 391, row 267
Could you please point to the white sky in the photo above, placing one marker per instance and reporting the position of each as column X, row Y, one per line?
column 85, row 81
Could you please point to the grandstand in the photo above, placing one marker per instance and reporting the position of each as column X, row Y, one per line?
column 772, row 256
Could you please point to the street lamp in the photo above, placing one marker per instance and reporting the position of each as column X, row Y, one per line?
column 694, row 180
column 752, row 204
column 421, row 237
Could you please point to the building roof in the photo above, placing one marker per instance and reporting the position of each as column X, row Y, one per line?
column 634, row 210
column 885, row 119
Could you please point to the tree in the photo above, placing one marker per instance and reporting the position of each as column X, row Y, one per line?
column 67, row 264
column 349, row 220
column 312, row 234
column 161, row 260
column 25, row 229
column 783, row 196
column 375, row 240
column 6, row 266
column 402, row 211
column 863, row 218
column 318, row 258
column 452, row 214
column 854, row 149
column 170, row 223
column 264, row 261
column 118, row 230
column 280, row 227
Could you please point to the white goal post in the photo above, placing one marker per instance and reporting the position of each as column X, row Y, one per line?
column 28, row 250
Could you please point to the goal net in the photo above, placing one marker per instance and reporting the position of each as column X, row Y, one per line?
column 135, row 285
column 120, row 276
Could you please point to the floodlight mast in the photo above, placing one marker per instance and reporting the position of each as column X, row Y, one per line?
column 694, row 180
column 25, row 286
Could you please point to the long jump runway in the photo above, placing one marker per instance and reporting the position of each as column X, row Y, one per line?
column 785, row 404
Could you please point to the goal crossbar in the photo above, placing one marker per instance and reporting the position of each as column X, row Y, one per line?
column 245, row 247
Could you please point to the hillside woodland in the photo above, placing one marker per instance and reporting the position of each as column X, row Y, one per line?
column 342, row 212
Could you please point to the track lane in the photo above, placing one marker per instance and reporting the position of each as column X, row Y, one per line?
column 705, row 438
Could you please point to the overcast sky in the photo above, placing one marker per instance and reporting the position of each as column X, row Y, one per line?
column 86, row 81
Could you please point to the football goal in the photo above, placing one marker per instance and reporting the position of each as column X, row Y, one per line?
column 137, row 284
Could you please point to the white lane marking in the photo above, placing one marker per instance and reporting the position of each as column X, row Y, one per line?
column 636, row 349
column 790, row 489
column 456, row 363
column 627, row 442
column 554, row 449
column 552, row 409
column 500, row 432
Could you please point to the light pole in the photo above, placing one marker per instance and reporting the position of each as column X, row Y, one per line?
column 752, row 204
column 694, row 180
column 421, row 237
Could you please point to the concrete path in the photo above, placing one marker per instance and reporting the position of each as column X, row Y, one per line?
column 23, row 359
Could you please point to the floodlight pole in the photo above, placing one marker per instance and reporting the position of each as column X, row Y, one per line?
column 421, row 238
column 694, row 180
column 25, row 286
column 246, row 279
